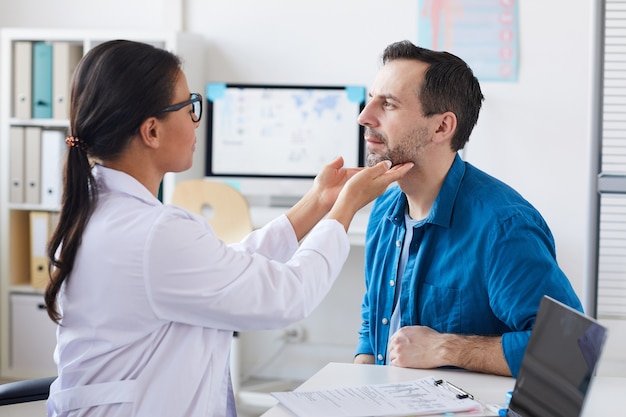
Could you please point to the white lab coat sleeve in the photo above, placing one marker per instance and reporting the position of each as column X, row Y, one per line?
column 193, row 278
column 276, row 240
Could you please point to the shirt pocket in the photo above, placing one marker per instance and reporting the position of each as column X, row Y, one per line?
column 440, row 308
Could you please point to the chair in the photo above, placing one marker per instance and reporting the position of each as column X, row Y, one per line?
column 25, row 391
column 222, row 205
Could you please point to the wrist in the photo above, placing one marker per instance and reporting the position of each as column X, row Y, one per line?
column 319, row 196
column 450, row 346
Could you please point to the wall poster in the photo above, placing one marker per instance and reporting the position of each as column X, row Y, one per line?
column 484, row 33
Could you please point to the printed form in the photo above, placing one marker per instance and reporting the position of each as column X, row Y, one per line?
column 419, row 397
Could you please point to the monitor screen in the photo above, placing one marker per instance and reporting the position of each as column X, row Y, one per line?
column 281, row 131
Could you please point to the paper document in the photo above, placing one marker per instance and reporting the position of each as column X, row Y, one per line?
column 419, row 397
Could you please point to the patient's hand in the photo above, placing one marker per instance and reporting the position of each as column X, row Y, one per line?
column 364, row 359
column 416, row 347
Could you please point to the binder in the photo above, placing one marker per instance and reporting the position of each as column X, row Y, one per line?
column 22, row 79
column 16, row 164
column 42, row 80
column 32, row 165
column 53, row 151
column 65, row 57
column 39, row 234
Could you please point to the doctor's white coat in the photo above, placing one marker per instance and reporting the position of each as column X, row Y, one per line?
column 154, row 297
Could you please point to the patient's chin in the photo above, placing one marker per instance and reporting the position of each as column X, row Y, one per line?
column 373, row 159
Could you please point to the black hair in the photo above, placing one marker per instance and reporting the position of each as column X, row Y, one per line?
column 116, row 86
column 449, row 85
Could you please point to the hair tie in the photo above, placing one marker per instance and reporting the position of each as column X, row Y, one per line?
column 72, row 142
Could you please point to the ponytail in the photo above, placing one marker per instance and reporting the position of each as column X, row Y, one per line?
column 78, row 201
column 115, row 87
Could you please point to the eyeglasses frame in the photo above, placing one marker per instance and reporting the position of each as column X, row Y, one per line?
column 195, row 98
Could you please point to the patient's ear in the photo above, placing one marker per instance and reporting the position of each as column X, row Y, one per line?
column 446, row 128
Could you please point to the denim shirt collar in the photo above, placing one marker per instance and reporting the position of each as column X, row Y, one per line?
column 441, row 211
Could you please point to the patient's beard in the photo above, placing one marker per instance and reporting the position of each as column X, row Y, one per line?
column 409, row 149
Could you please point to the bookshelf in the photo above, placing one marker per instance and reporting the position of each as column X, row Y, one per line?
column 26, row 333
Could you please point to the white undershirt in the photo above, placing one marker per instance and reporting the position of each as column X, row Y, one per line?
column 394, row 323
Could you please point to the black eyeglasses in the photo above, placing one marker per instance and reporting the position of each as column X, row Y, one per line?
column 196, row 107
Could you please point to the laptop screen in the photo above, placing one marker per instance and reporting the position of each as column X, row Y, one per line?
column 559, row 363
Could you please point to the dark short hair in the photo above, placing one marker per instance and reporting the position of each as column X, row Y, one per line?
column 449, row 85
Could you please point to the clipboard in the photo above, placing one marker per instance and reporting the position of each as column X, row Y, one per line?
column 424, row 396
column 459, row 393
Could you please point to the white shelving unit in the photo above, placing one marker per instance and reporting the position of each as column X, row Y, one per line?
column 25, row 316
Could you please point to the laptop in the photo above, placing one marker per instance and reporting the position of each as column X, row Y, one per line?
column 559, row 363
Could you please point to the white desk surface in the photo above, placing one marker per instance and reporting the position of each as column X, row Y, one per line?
column 605, row 397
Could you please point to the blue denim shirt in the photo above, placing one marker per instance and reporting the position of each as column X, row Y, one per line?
column 485, row 260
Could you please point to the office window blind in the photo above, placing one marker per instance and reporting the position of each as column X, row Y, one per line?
column 614, row 103
column 612, row 257
column 611, row 267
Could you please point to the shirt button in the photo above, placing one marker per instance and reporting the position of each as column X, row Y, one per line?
column 392, row 282
column 380, row 357
column 398, row 243
column 385, row 321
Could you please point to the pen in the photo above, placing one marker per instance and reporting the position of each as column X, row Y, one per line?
column 460, row 394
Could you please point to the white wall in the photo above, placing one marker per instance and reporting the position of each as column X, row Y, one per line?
column 533, row 134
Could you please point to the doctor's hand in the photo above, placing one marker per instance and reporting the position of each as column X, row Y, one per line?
column 417, row 347
column 343, row 191
column 363, row 187
column 330, row 181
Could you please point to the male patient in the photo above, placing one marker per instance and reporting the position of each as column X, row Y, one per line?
column 456, row 262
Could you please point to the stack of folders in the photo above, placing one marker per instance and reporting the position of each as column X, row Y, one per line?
column 37, row 156
column 36, row 168
column 42, row 224
column 41, row 78
column 42, row 72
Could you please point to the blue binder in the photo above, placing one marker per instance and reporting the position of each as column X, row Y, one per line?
column 42, row 80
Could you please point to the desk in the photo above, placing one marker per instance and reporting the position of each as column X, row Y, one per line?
column 605, row 397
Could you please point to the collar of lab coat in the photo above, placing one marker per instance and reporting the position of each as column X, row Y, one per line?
column 111, row 180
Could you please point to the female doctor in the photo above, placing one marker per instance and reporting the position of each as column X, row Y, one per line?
column 145, row 295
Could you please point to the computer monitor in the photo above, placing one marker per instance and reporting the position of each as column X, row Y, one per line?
column 271, row 140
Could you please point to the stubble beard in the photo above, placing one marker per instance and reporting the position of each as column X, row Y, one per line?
column 374, row 158
column 407, row 150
